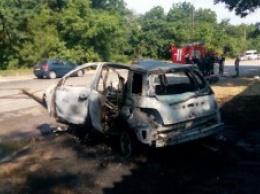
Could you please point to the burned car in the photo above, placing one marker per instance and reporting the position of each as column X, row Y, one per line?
column 152, row 103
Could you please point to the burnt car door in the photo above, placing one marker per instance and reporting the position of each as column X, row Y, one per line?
column 92, row 98
column 68, row 100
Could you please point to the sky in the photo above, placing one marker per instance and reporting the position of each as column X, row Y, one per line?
column 142, row 6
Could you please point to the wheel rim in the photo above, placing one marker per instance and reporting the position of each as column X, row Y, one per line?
column 52, row 75
column 126, row 144
column 79, row 73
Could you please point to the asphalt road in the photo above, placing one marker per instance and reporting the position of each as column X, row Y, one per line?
column 245, row 67
column 21, row 116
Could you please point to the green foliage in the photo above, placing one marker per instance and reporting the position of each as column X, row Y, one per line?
column 180, row 12
column 241, row 7
column 206, row 16
column 105, row 30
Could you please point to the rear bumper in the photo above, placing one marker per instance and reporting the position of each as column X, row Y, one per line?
column 40, row 73
column 180, row 137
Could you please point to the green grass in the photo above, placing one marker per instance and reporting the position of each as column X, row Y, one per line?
column 18, row 72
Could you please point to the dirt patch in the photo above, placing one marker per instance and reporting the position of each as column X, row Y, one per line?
column 61, row 163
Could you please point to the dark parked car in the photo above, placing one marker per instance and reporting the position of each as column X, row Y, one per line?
column 53, row 68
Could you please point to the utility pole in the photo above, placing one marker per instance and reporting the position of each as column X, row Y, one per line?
column 193, row 19
column 192, row 36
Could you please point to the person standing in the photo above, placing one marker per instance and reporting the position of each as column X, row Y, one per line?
column 221, row 65
column 237, row 67
column 212, row 62
column 187, row 59
column 207, row 64
column 201, row 64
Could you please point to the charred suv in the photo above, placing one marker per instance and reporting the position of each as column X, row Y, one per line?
column 153, row 103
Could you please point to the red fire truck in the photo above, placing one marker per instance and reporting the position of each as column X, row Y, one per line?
column 185, row 53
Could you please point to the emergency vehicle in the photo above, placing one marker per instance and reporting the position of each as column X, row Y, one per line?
column 185, row 53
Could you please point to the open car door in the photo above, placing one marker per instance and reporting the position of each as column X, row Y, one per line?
column 95, row 97
column 72, row 104
column 68, row 100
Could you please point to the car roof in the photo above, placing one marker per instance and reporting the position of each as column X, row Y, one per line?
column 56, row 59
column 149, row 65
column 49, row 60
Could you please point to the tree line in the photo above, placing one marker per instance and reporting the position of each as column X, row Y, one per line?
column 106, row 30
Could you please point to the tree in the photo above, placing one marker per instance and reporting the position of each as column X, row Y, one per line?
column 180, row 12
column 110, row 5
column 14, row 16
column 241, row 7
column 105, row 30
column 205, row 15
column 156, row 13
column 153, row 37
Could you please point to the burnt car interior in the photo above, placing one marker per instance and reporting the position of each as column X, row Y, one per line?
column 111, row 84
column 177, row 83
column 137, row 83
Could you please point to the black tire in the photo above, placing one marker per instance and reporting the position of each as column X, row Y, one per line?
column 39, row 77
column 44, row 102
column 127, row 143
column 52, row 75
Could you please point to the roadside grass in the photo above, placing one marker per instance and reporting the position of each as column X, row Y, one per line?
column 239, row 105
column 8, row 148
column 11, row 176
column 17, row 72
column 245, row 86
column 233, row 87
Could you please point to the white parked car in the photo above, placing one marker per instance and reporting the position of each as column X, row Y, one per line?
column 251, row 54
column 243, row 57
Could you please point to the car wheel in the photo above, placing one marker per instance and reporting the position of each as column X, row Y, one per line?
column 52, row 75
column 39, row 77
column 127, row 143
column 79, row 73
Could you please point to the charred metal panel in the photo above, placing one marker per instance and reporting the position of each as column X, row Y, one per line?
column 96, row 102
column 72, row 103
column 141, row 123
column 49, row 98
column 179, row 112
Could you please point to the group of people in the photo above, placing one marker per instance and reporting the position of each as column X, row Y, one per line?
column 221, row 61
column 206, row 64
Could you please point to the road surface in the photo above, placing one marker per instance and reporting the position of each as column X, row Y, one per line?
column 21, row 116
